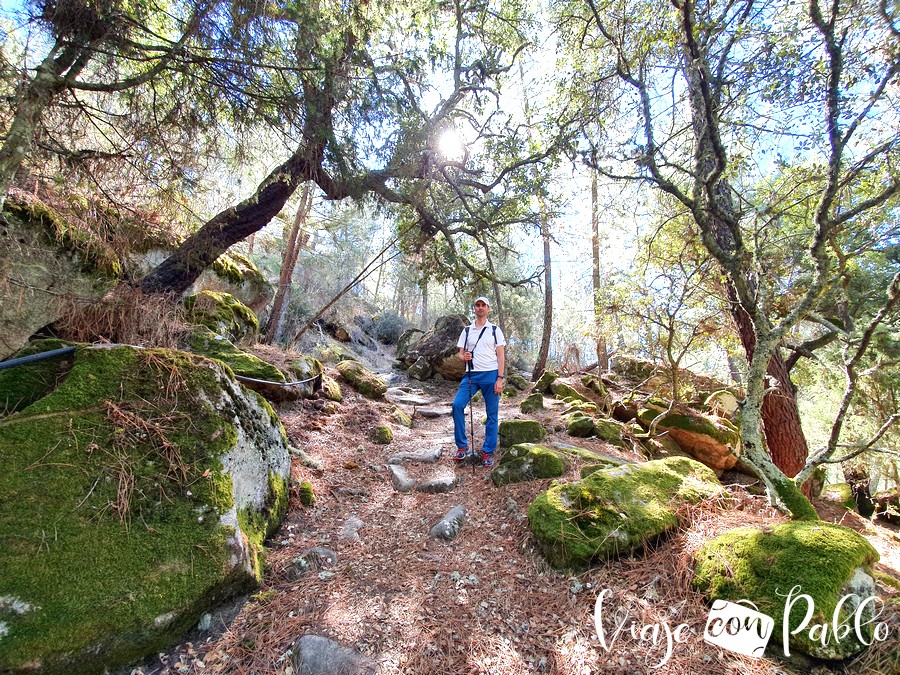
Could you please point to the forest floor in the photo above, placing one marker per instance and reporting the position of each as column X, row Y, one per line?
column 485, row 602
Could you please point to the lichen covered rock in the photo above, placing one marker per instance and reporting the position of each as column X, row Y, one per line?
column 615, row 511
column 528, row 461
column 382, row 434
column 609, row 431
column 532, row 403
column 580, row 426
column 331, row 389
column 223, row 314
column 513, row 432
column 822, row 560
column 157, row 478
column 840, row 493
column 309, row 370
column 566, row 391
column 362, row 379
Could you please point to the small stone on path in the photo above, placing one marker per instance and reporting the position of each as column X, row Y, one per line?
column 449, row 526
column 400, row 479
column 426, row 456
column 437, row 485
column 317, row 655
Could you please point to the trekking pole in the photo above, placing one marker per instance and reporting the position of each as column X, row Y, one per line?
column 471, row 417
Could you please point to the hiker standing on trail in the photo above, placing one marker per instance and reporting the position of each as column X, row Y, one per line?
column 482, row 349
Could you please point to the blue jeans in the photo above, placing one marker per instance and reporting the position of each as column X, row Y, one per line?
column 473, row 382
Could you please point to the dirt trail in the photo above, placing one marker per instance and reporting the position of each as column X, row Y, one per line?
column 483, row 603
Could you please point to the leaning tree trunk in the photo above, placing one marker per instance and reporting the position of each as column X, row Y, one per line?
column 780, row 414
column 181, row 269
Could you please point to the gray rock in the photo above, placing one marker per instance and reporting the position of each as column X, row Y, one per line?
column 400, row 396
column 351, row 528
column 400, row 479
column 449, row 526
column 437, row 485
column 421, row 369
column 433, row 413
column 426, row 456
column 317, row 655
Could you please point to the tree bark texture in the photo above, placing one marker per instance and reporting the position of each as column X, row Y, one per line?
column 780, row 414
column 600, row 344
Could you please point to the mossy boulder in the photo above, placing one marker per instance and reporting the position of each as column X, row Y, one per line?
column 822, row 560
column 335, row 353
column 707, row 438
column 543, row 383
column 586, row 455
column 331, row 389
column 595, row 385
column 528, row 461
column 20, row 386
column 615, row 511
column 223, row 314
column 580, row 426
column 204, row 342
column 609, row 431
column 137, row 493
column 839, row 493
column 588, row 469
column 234, row 273
column 532, row 403
column 307, row 368
column 382, row 434
column 362, row 379
column 517, row 381
column 567, row 392
column 514, row 432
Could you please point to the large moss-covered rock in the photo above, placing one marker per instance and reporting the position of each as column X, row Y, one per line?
column 362, row 379
column 513, row 432
column 580, row 426
column 839, row 493
column 528, row 461
column 532, row 403
column 223, row 314
column 709, row 439
column 517, row 381
column 137, row 492
column 234, row 273
column 214, row 346
column 822, row 560
column 23, row 385
column 594, row 384
column 612, row 512
column 609, row 431
column 331, row 389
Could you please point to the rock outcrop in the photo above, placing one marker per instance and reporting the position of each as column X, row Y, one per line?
column 438, row 348
column 362, row 379
column 707, row 438
column 138, row 488
column 223, row 314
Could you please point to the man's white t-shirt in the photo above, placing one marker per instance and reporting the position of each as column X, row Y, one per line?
column 485, row 352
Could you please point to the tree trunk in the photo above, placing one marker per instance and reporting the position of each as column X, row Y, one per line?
column 602, row 355
column 780, row 414
column 48, row 82
column 544, row 350
column 181, row 269
column 294, row 243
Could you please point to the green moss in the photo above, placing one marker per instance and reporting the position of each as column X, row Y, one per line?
column 613, row 511
column 260, row 524
column 382, row 434
column 513, row 432
column 764, row 565
column 222, row 313
column 588, row 469
column 206, row 343
column 544, row 381
column 580, row 426
column 567, row 392
column 528, row 461
column 331, row 389
column 840, row 493
column 20, row 386
column 237, row 269
column 532, row 403
column 609, row 430
column 720, row 429
column 594, row 384
column 401, row 417
column 363, row 380
column 97, row 565
column 517, row 381
column 307, row 494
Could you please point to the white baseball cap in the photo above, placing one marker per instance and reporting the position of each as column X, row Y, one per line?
column 483, row 299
